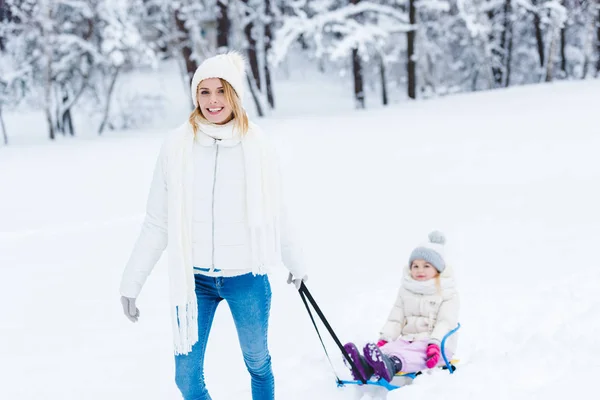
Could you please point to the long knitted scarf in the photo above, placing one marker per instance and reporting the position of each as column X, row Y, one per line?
column 262, row 209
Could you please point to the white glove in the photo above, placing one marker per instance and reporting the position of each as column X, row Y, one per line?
column 296, row 281
column 129, row 308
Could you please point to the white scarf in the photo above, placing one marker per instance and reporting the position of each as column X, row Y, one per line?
column 263, row 213
column 428, row 287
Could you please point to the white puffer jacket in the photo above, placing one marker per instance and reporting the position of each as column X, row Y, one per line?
column 422, row 311
column 220, row 231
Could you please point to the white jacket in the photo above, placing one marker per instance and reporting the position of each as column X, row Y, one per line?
column 421, row 311
column 220, row 233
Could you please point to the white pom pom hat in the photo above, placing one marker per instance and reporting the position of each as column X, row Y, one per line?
column 431, row 251
column 229, row 66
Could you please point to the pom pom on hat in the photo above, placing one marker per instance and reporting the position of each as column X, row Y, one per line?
column 238, row 60
column 437, row 237
column 230, row 66
column 431, row 251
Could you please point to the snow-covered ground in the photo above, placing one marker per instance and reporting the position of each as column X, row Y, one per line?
column 512, row 177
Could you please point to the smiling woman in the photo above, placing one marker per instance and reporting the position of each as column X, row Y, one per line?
column 215, row 204
column 217, row 91
column 212, row 102
column 218, row 103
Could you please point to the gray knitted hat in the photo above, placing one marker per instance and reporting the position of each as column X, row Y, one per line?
column 431, row 251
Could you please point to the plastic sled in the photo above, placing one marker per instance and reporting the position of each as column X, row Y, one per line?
column 403, row 379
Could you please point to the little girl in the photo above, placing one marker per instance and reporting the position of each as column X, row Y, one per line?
column 426, row 309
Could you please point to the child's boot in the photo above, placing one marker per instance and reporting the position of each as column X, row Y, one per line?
column 363, row 368
column 383, row 365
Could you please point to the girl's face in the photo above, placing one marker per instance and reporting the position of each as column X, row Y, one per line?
column 212, row 102
column 420, row 270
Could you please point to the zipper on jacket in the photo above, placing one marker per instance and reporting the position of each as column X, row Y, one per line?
column 212, row 268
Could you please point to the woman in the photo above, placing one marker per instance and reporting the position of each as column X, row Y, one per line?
column 215, row 201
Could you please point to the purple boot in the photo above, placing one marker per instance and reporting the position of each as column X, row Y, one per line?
column 363, row 368
column 383, row 365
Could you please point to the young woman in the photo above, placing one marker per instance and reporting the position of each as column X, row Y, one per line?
column 215, row 202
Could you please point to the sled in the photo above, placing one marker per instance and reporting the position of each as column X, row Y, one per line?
column 399, row 380
column 402, row 379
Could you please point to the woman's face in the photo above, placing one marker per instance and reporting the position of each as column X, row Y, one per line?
column 211, row 100
column 420, row 270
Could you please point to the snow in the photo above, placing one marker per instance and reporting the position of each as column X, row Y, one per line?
column 511, row 178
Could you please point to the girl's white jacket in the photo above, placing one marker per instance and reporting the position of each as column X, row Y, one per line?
column 220, row 233
column 424, row 311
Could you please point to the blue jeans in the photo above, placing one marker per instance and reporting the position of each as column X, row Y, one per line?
column 249, row 298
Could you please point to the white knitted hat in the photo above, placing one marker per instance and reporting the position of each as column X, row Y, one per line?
column 431, row 251
column 229, row 66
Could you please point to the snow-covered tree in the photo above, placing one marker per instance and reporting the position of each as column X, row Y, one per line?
column 120, row 45
column 12, row 81
column 351, row 31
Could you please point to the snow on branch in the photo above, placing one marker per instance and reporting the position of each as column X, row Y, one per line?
column 342, row 21
column 526, row 4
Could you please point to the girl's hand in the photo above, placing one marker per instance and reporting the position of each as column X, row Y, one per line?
column 433, row 355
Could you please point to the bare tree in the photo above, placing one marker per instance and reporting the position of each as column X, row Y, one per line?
column 503, row 52
column 185, row 43
column 539, row 35
column 269, row 14
column 382, row 76
column 111, row 88
column 508, row 27
column 598, row 40
column 411, row 64
column 563, row 53
column 4, row 16
column 223, row 25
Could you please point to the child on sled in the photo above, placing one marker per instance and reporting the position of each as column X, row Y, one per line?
column 425, row 310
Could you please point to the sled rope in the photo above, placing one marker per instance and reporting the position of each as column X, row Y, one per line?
column 305, row 295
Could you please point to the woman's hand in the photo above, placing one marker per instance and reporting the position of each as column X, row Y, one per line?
column 296, row 281
column 129, row 308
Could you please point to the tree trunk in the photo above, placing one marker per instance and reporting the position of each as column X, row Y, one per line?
column 539, row 35
column 4, row 16
column 108, row 102
column 3, row 127
column 598, row 42
column 508, row 45
column 255, row 96
column 48, row 100
column 382, row 73
column 268, row 43
column 186, row 48
column 223, row 25
column 359, row 94
column 508, row 26
column 58, row 126
column 48, row 79
column 251, row 49
column 550, row 61
column 412, row 63
column 498, row 52
column 51, row 132
column 563, row 54
column 67, row 123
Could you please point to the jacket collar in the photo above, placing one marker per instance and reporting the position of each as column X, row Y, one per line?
column 222, row 135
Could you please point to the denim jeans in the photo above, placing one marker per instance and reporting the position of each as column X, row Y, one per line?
column 249, row 298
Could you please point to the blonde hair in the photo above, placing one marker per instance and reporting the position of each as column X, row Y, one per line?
column 438, row 283
column 239, row 114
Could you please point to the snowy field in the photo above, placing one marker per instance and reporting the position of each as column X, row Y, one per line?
column 512, row 177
